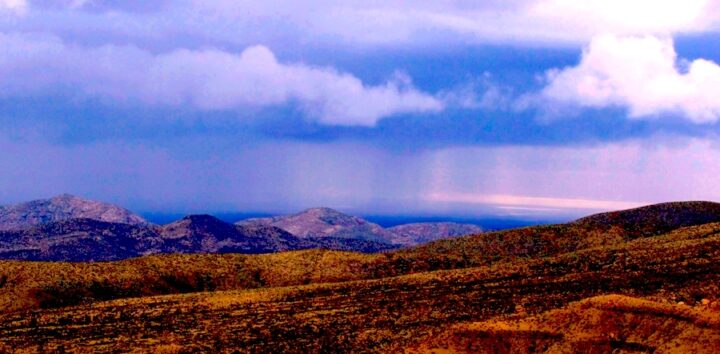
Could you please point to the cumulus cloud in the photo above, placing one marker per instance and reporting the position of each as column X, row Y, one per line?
column 207, row 79
column 642, row 74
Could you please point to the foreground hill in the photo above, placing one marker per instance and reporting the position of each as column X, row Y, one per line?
column 655, row 219
column 61, row 208
column 601, row 324
column 605, row 229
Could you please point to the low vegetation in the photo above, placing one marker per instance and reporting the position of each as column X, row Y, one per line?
column 601, row 324
column 374, row 315
column 419, row 299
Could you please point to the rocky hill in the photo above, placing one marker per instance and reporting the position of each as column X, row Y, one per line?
column 325, row 222
column 63, row 207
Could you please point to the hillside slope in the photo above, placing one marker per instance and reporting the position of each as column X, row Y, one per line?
column 325, row 301
column 507, row 247
column 601, row 324
column 655, row 219
column 375, row 315
column 606, row 229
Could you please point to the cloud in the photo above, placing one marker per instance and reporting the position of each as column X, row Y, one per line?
column 207, row 79
column 623, row 17
column 399, row 21
column 387, row 23
column 642, row 74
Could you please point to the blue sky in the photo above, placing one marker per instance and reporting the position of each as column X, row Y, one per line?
column 505, row 108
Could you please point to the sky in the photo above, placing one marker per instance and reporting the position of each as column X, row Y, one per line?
column 532, row 108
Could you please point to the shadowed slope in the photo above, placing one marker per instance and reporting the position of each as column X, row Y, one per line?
column 208, row 234
column 79, row 240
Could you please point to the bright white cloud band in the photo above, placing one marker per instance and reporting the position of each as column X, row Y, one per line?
column 205, row 79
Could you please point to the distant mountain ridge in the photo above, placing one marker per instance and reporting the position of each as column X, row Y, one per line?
column 326, row 222
column 419, row 233
column 81, row 240
column 63, row 207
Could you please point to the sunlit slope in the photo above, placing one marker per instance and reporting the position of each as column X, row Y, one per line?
column 597, row 325
column 606, row 229
column 381, row 315
column 25, row 285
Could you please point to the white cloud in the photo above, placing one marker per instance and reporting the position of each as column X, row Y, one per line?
column 642, row 74
column 207, row 79
column 624, row 17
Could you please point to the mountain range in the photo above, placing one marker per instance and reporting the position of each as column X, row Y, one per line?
column 69, row 228
column 326, row 222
